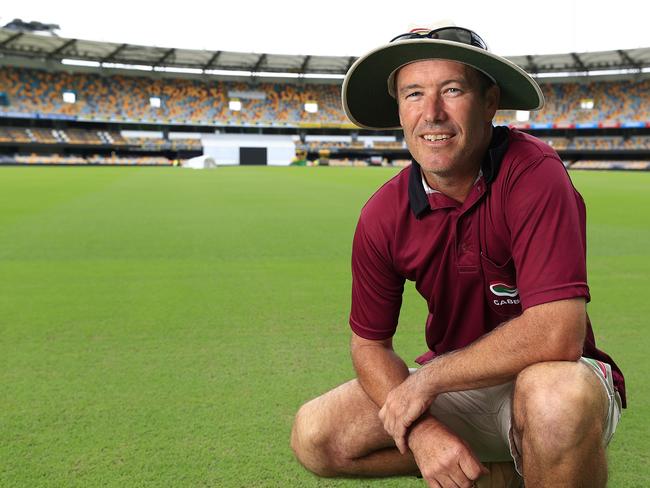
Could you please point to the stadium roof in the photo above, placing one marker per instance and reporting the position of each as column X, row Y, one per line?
column 51, row 48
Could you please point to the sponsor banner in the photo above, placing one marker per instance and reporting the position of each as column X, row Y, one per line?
column 633, row 124
column 57, row 117
column 19, row 115
column 249, row 94
column 587, row 125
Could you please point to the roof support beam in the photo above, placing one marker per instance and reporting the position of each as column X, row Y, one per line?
column 115, row 52
column 532, row 67
column 165, row 56
column 305, row 63
column 351, row 61
column 581, row 66
column 212, row 61
column 61, row 48
column 10, row 39
column 628, row 60
column 259, row 63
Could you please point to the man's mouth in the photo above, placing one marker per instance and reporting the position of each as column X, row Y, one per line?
column 436, row 137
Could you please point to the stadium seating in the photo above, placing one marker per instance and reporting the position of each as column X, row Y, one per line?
column 199, row 101
column 10, row 134
column 121, row 98
column 637, row 142
column 599, row 164
column 45, row 136
column 89, row 137
column 614, row 104
column 92, row 138
column 115, row 99
column 596, row 143
column 59, row 159
column 557, row 143
column 388, row 145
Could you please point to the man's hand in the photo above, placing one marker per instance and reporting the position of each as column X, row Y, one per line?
column 444, row 459
column 404, row 405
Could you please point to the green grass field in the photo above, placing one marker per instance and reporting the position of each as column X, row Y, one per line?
column 160, row 327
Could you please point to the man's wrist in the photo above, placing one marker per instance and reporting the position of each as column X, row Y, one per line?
column 427, row 377
column 422, row 430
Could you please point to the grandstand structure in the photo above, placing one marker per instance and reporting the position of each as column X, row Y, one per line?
column 72, row 101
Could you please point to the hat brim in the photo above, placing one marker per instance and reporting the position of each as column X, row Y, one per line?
column 368, row 104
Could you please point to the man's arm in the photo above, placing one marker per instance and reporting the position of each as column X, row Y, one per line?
column 438, row 452
column 379, row 369
column 552, row 331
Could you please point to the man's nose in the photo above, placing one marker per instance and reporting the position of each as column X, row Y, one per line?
column 434, row 109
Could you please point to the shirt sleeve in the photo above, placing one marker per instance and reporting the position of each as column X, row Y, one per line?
column 376, row 286
column 546, row 216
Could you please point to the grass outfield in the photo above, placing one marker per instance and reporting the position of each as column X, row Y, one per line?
column 160, row 327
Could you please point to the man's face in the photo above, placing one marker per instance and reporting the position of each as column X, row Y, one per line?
column 445, row 116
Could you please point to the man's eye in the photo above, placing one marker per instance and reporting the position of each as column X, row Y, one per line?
column 453, row 90
column 413, row 94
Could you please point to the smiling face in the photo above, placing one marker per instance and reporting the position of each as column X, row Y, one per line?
column 446, row 115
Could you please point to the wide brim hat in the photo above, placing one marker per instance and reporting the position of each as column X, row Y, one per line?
column 368, row 103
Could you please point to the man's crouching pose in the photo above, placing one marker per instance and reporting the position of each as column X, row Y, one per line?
column 489, row 226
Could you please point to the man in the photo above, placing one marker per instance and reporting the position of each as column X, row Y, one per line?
column 488, row 225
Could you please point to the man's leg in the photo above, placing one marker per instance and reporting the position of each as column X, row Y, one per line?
column 559, row 413
column 339, row 434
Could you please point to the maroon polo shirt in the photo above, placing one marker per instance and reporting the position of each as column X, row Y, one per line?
column 518, row 240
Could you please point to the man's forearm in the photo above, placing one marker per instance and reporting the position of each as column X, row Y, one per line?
column 379, row 369
column 500, row 355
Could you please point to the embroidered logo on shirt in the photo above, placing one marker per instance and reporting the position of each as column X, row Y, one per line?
column 503, row 290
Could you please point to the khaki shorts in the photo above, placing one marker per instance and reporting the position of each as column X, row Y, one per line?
column 483, row 417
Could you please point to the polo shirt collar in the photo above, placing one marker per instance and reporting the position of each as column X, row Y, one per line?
column 490, row 165
column 428, row 190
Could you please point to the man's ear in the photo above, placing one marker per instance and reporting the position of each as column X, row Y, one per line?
column 492, row 97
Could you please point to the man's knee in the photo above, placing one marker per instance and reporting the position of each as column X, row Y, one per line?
column 558, row 405
column 311, row 441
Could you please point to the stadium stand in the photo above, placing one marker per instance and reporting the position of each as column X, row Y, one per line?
column 92, row 137
column 187, row 101
column 47, row 115
column 597, row 142
column 388, row 145
column 637, row 142
column 183, row 101
column 557, row 143
column 608, row 165
column 45, row 136
column 58, row 159
column 10, row 134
